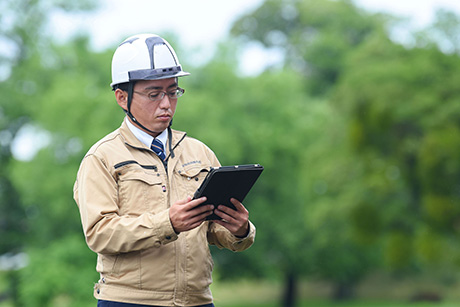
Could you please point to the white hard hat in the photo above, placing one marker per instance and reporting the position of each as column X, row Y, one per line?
column 145, row 57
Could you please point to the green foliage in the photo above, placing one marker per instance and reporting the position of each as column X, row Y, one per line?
column 398, row 251
column 431, row 247
column 24, row 76
column 366, row 222
column 402, row 109
column 74, row 108
column 56, row 89
column 392, row 181
column 59, row 274
column 315, row 35
column 439, row 164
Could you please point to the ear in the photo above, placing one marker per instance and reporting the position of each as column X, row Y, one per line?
column 122, row 98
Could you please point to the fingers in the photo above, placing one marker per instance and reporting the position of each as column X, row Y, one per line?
column 189, row 203
column 201, row 211
column 238, row 205
column 236, row 221
column 240, row 209
column 183, row 201
column 187, row 214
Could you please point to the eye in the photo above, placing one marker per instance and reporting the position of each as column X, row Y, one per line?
column 173, row 93
column 154, row 95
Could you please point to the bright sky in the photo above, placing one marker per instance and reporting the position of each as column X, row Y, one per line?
column 197, row 22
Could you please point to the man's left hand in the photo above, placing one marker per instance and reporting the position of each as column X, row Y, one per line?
column 236, row 221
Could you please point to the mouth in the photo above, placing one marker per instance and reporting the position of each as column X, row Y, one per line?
column 164, row 117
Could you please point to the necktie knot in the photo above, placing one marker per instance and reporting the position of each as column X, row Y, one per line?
column 158, row 148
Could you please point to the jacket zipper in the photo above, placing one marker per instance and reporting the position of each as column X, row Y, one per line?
column 121, row 164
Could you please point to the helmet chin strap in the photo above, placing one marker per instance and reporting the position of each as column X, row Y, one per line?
column 136, row 122
column 130, row 115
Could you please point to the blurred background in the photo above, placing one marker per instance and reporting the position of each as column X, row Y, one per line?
column 352, row 107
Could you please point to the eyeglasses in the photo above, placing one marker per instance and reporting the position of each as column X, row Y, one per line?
column 159, row 95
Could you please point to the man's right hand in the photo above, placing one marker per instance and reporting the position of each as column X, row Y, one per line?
column 186, row 214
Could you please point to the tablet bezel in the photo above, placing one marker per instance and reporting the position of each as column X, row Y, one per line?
column 232, row 181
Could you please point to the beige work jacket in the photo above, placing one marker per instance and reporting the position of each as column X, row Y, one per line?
column 124, row 193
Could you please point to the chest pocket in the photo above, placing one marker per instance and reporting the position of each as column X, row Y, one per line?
column 192, row 177
column 140, row 190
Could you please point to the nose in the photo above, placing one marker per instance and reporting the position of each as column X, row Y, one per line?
column 165, row 102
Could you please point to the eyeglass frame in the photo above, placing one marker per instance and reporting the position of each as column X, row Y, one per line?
column 178, row 92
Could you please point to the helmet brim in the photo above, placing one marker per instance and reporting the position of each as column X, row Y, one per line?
column 152, row 74
column 157, row 74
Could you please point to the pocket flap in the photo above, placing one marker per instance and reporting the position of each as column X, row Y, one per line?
column 194, row 170
column 134, row 173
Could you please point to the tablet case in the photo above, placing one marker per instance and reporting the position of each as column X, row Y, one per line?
column 225, row 182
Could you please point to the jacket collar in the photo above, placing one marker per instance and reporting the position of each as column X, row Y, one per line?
column 131, row 140
column 144, row 137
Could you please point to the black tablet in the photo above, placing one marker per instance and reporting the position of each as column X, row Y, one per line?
column 225, row 182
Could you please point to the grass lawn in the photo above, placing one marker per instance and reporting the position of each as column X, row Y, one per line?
column 357, row 303
column 267, row 294
column 264, row 293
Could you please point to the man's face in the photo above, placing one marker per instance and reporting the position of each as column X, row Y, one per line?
column 154, row 115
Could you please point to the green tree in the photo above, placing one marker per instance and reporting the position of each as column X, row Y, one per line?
column 394, row 133
column 24, row 44
column 315, row 36
column 76, row 108
column 402, row 110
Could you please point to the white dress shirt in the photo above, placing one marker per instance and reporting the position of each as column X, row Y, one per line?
column 146, row 138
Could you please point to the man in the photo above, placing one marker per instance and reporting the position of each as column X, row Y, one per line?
column 134, row 191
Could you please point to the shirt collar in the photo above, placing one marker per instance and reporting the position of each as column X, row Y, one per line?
column 146, row 138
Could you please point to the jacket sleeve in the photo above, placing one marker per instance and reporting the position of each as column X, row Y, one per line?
column 106, row 232
column 223, row 238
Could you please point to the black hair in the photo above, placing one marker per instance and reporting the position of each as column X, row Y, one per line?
column 122, row 86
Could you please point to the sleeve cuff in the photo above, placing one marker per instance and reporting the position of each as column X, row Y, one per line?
column 245, row 242
column 163, row 229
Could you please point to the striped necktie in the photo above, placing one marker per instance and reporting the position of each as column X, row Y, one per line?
column 158, row 148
